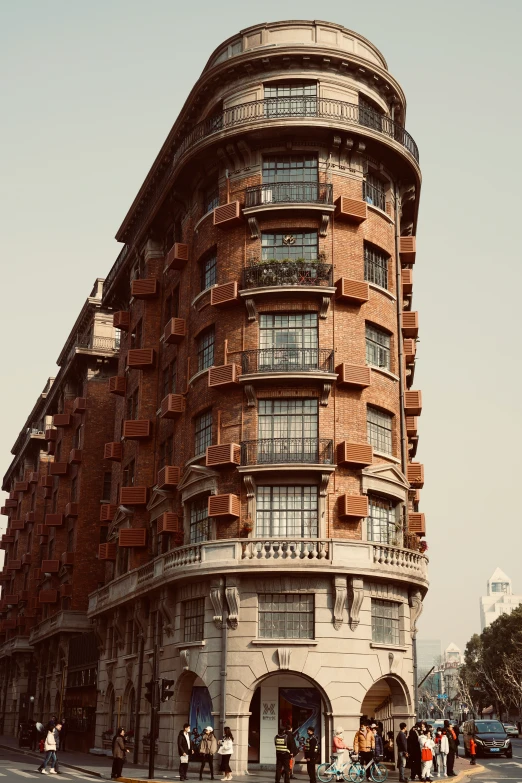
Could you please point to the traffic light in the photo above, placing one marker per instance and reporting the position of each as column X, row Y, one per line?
column 166, row 693
column 149, row 692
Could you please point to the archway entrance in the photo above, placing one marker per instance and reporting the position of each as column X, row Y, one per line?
column 387, row 701
column 283, row 700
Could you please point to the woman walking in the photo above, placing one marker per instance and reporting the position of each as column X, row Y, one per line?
column 50, row 751
column 226, row 749
column 119, row 751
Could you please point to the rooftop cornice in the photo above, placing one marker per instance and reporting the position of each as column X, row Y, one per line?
column 221, row 73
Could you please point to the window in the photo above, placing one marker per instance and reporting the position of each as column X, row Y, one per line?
column 132, row 638
column 50, row 549
column 382, row 521
column 132, row 404
column 375, row 266
column 156, row 628
column 286, row 616
column 379, row 428
column 71, row 537
column 78, row 437
column 287, row 512
column 166, row 448
column 288, row 341
column 193, row 627
column 370, row 114
column 292, row 99
column 172, row 305
column 128, row 474
column 211, row 197
column 199, row 520
column 137, row 335
column 378, row 347
column 168, row 309
column 206, row 349
column 54, row 503
column 374, row 192
column 74, row 489
column 208, row 269
column 290, row 168
column 288, row 419
column 169, row 379
column 203, row 432
column 289, row 244
column 385, row 622
column 500, row 587
column 107, row 485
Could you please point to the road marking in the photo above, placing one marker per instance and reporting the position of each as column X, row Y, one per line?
column 20, row 772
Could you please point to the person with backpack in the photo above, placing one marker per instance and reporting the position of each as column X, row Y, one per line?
column 119, row 752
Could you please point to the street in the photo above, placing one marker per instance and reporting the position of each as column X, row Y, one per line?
column 15, row 766
column 501, row 769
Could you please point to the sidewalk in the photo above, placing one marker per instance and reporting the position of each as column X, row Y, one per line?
column 100, row 766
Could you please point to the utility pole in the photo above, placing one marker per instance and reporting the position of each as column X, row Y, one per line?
column 154, row 704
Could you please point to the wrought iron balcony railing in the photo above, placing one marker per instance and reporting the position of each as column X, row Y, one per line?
column 273, row 273
column 288, row 360
column 280, row 451
column 289, row 193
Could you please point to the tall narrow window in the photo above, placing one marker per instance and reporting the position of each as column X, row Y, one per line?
column 374, row 192
column 194, row 620
column 137, row 335
column 132, row 404
column 199, row 520
column 128, row 474
column 378, row 347
column 287, row 512
column 211, row 197
column 206, row 349
column 287, row 178
column 209, row 271
column 288, row 341
column 286, row 616
column 291, row 99
column 107, row 485
column 370, row 114
column 169, row 379
column 375, row 266
column 379, row 429
column 286, row 419
column 385, row 622
column 203, row 432
column 382, row 526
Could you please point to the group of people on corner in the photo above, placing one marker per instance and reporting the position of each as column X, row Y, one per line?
column 426, row 751
column 208, row 748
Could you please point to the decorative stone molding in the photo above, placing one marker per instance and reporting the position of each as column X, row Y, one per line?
column 323, row 226
column 356, row 599
column 99, row 629
column 391, row 658
column 140, row 617
column 233, row 600
column 283, row 655
column 184, row 656
column 416, row 608
column 340, row 594
column 386, row 479
column 216, row 599
column 323, row 484
column 323, row 306
column 196, row 480
column 325, row 394
column 253, row 226
column 167, row 613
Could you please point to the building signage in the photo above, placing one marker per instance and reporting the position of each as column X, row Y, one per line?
column 269, row 713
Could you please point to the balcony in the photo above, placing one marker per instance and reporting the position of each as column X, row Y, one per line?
column 307, row 362
column 315, row 196
column 262, row 555
column 293, row 453
column 299, row 277
column 95, row 345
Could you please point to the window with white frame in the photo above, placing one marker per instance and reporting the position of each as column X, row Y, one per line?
column 287, row 512
column 199, row 520
column 379, row 429
column 194, row 620
column 382, row 523
column 385, row 622
column 286, row 616
column 378, row 347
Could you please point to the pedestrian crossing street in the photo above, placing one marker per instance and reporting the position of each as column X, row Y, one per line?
column 69, row 775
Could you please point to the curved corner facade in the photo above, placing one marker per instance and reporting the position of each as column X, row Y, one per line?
column 263, row 531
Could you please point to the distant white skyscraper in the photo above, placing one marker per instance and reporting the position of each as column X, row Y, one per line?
column 428, row 655
column 499, row 599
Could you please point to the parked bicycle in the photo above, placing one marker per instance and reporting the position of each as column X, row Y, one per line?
column 358, row 772
column 329, row 771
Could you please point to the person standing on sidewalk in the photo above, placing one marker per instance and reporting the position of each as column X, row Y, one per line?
column 207, row 749
column 443, row 754
column 185, row 750
column 364, row 745
column 473, row 751
column 414, row 753
column 285, row 750
column 119, row 752
column 225, row 750
column 311, row 753
column 402, row 752
column 452, row 749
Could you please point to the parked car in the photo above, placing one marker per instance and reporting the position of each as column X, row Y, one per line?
column 511, row 729
column 490, row 736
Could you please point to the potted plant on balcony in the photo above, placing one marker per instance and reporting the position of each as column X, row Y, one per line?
column 423, row 546
column 246, row 527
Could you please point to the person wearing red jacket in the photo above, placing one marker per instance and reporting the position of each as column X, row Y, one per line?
column 473, row 751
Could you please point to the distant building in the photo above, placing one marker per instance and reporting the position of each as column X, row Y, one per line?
column 428, row 655
column 452, row 656
column 499, row 599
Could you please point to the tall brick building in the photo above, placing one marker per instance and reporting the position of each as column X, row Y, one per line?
column 262, row 529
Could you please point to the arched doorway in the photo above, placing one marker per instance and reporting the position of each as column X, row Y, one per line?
column 193, row 703
column 388, row 701
column 285, row 699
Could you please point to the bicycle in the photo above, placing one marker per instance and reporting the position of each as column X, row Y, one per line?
column 357, row 772
column 326, row 772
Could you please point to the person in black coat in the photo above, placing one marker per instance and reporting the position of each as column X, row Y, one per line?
column 311, row 752
column 414, row 753
column 185, row 750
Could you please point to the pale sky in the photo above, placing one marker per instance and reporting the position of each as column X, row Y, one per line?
column 89, row 93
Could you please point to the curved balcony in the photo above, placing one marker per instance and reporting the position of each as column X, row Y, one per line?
column 307, row 362
column 289, row 195
column 263, row 555
column 287, row 454
column 289, row 277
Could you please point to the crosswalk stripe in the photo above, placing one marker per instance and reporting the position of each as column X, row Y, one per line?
column 20, row 772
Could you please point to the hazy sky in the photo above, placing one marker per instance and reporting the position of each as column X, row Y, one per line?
column 89, row 93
